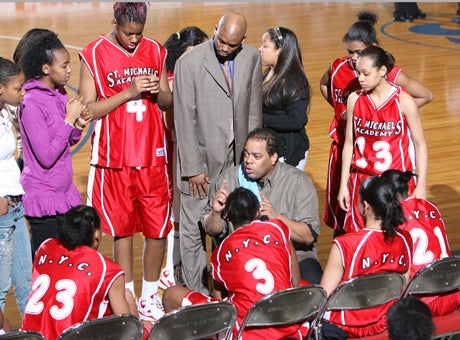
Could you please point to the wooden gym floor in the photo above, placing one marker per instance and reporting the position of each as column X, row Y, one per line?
column 428, row 50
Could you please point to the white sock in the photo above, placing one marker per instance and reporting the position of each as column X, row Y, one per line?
column 149, row 288
column 130, row 286
column 169, row 250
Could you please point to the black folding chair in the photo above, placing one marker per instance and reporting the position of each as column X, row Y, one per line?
column 126, row 327
column 287, row 306
column 359, row 293
column 438, row 277
column 196, row 322
column 22, row 335
column 455, row 335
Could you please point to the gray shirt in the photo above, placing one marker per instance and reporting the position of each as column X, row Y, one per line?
column 291, row 193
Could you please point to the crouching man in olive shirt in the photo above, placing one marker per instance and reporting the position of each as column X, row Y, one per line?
column 284, row 193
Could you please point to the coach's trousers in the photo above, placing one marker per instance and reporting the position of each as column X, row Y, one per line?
column 192, row 244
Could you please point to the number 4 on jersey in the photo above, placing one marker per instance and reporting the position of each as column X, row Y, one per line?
column 137, row 107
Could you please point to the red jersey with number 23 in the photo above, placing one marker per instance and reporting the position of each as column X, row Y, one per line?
column 133, row 134
column 68, row 287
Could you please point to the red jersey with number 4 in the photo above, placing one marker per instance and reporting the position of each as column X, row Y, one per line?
column 132, row 134
column 365, row 252
column 252, row 262
column 382, row 138
column 68, row 287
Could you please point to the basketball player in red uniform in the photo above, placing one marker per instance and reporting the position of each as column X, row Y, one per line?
column 337, row 83
column 384, row 131
column 378, row 247
column 124, row 83
column 255, row 260
column 71, row 281
column 429, row 238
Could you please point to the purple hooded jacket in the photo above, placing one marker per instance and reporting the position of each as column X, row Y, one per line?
column 47, row 177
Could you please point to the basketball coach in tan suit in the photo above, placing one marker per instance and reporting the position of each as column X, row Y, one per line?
column 213, row 113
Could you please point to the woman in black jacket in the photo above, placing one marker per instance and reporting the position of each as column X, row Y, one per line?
column 286, row 94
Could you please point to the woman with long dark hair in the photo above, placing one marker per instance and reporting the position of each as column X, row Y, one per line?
column 285, row 94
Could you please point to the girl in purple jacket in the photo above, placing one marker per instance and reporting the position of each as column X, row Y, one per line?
column 50, row 124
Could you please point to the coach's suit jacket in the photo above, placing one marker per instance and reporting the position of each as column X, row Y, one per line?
column 203, row 108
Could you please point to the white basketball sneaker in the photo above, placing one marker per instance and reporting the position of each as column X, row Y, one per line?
column 167, row 278
column 150, row 309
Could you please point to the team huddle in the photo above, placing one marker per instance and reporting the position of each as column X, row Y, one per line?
column 220, row 151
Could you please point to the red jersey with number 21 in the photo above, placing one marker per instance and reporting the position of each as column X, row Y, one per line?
column 427, row 230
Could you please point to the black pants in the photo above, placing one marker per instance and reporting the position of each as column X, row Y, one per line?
column 405, row 9
column 42, row 228
column 310, row 270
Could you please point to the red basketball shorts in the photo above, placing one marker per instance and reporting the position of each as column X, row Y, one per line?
column 131, row 200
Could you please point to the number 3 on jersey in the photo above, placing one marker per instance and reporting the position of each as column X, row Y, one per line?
column 65, row 291
column 260, row 272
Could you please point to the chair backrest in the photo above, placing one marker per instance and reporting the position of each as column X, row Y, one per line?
column 361, row 292
column 455, row 335
column 287, row 306
column 23, row 335
column 435, row 278
column 196, row 322
column 111, row 327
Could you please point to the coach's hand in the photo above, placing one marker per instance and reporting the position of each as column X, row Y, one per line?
column 198, row 185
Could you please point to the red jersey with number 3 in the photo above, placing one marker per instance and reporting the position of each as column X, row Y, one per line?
column 68, row 287
column 132, row 134
column 382, row 138
column 252, row 262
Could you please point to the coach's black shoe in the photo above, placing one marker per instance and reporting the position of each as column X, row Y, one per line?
column 403, row 18
column 419, row 15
